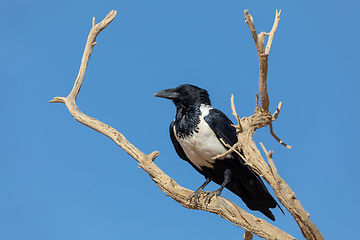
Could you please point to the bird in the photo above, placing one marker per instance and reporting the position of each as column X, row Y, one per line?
column 196, row 134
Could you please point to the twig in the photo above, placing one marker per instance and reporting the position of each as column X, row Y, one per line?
column 272, row 32
column 238, row 126
column 250, row 21
column 277, row 138
column 277, row 112
column 274, row 117
column 271, row 162
column 230, row 150
column 90, row 43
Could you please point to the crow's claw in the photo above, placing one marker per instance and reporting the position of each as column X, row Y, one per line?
column 210, row 195
column 195, row 195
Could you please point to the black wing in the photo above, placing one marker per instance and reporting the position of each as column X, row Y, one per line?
column 221, row 125
column 247, row 181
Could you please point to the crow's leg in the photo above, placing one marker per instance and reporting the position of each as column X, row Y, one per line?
column 227, row 178
column 196, row 195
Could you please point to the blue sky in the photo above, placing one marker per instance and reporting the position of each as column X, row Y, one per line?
column 62, row 180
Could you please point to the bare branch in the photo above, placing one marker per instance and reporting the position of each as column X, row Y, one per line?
column 272, row 32
column 90, row 43
column 269, row 173
column 238, row 126
column 277, row 112
column 277, row 138
column 230, row 150
column 249, row 20
column 219, row 205
column 153, row 155
column 257, row 102
column 246, row 128
column 260, row 119
column 263, row 55
column 263, row 63
column 287, row 197
column 57, row 100
column 271, row 162
column 274, row 117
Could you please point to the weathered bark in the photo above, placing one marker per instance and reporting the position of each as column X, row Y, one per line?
column 248, row 125
column 246, row 128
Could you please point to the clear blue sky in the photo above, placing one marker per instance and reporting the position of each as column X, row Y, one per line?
column 62, row 180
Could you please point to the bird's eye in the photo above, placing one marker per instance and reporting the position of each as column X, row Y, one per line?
column 182, row 90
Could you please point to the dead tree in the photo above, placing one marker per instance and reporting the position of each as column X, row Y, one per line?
column 246, row 128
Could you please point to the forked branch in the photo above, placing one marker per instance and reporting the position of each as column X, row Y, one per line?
column 248, row 125
column 219, row 205
column 263, row 53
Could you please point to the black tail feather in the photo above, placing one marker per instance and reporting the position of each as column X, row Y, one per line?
column 252, row 190
column 268, row 213
column 245, row 184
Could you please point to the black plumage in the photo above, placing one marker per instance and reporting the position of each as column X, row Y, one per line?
column 195, row 134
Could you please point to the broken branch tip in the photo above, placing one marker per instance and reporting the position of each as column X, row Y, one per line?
column 57, row 100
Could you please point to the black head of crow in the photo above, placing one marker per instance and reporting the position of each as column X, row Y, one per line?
column 195, row 134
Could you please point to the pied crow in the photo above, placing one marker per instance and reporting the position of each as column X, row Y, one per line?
column 195, row 134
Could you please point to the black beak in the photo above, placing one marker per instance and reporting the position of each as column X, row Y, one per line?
column 167, row 93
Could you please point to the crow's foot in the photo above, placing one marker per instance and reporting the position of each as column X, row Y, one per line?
column 196, row 195
column 210, row 195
